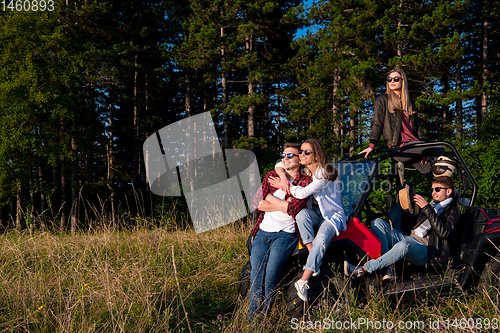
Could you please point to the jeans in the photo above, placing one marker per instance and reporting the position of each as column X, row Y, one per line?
column 395, row 246
column 270, row 252
column 308, row 221
column 320, row 243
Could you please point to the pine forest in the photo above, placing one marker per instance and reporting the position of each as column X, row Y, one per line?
column 84, row 83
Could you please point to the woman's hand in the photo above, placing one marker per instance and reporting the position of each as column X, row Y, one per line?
column 277, row 183
column 367, row 151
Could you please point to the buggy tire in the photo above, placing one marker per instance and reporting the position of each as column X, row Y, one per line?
column 325, row 285
column 490, row 277
column 244, row 281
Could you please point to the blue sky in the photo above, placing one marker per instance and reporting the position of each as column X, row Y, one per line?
column 306, row 4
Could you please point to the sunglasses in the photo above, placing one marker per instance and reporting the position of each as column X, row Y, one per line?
column 307, row 152
column 438, row 189
column 395, row 79
column 440, row 169
column 288, row 155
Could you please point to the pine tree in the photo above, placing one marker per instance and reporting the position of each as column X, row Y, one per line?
column 335, row 68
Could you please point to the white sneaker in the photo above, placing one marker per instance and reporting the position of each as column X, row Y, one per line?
column 317, row 272
column 302, row 287
column 390, row 274
column 354, row 271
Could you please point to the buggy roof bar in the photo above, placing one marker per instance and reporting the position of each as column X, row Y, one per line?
column 465, row 174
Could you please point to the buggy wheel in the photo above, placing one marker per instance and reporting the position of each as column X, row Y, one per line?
column 244, row 281
column 328, row 286
column 490, row 277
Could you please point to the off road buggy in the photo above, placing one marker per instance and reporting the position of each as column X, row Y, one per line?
column 369, row 190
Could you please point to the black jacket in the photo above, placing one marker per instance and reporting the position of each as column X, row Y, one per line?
column 389, row 124
column 443, row 240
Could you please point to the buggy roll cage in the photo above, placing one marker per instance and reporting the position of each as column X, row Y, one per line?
column 466, row 176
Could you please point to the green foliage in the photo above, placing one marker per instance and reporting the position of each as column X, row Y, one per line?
column 483, row 156
column 36, row 69
column 81, row 87
column 266, row 154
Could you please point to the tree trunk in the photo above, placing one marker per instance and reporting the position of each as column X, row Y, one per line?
column 278, row 122
column 484, row 96
column 32, row 198
column 3, row 224
column 64, row 187
column 19, row 210
column 400, row 25
column 224, row 97
column 336, row 110
column 353, row 133
column 110, row 167
column 189, row 149
column 43, row 200
column 147, row 190
column 251, row 114
column 459, row 103
column 446, row 108
column 64, row 198
column 251, row 110
column 135, row 155
column 54, row 178
column 74, row 187
column 188, row 93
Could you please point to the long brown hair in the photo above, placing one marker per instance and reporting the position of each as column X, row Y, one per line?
column 397, row 103
column 320, row 158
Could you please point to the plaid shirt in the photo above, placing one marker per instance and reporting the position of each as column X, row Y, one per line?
column 294, row 207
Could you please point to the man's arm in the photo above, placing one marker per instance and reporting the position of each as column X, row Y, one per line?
column 264, row 190
column 266, row 206
column 291, row 207
column 278, row 204
column 443, row 228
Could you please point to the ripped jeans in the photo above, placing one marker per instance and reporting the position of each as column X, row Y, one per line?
column 320, row 243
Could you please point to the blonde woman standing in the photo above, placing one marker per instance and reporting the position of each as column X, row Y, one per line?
column 395, row 117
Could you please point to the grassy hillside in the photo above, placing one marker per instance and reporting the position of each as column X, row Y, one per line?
column 174, row 281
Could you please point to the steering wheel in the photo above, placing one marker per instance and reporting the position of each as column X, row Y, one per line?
column 371, row 215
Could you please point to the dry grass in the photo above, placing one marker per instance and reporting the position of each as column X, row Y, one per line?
column 168, row 281
column 119, row 281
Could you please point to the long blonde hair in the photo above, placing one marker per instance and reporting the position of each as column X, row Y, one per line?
column 397, row 103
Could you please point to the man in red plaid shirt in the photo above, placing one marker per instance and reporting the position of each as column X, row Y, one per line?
column 275, row 233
